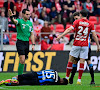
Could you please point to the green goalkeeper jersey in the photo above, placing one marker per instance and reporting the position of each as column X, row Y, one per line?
column 24, row 29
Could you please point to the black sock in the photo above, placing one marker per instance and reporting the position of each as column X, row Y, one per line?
column 92, row 73
column 73, row 72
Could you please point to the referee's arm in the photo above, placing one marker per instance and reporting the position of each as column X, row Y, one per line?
column 33, row 40
column 11, row 17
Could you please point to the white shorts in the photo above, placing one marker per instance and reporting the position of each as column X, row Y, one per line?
column 81, row 52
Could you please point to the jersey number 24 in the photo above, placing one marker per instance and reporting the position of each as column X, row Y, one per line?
column 79, row 33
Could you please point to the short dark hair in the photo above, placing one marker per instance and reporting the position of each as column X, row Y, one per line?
column 76, row 14
column 24, row 11
column 65, row 82
column 84, row 13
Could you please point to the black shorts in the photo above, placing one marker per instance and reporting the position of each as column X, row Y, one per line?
column 22, row 47
column 28, row 79
column 89, row 55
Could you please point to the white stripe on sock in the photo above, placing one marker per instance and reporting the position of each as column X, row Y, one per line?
column 69, row 67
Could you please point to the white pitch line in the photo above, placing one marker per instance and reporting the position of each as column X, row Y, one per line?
column 2, row 88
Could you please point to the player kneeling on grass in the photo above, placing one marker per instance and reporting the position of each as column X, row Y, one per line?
column 44, row 77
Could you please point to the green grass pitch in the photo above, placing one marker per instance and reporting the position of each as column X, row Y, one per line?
column 85, row 83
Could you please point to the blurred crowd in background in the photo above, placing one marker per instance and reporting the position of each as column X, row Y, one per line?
column 49, row 18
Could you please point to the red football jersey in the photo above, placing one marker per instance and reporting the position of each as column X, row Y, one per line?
column 82, row 27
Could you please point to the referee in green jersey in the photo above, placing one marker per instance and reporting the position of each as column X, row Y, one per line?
column 24, row 32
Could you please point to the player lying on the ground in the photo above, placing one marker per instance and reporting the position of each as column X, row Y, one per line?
column 44, row 77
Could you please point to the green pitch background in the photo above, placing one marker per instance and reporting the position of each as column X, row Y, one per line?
column 85, row 83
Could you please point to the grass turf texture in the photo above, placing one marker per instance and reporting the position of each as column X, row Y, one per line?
column 85, row 83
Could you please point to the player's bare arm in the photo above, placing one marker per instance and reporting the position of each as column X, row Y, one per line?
column 33, row 41
column 11, row 17
column 64, row 33
column 96, row 40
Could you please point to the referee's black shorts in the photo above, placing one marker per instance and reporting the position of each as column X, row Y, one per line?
column 22, row 47
column 89, row 54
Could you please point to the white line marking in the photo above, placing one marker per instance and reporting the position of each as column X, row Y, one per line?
column 2, row 88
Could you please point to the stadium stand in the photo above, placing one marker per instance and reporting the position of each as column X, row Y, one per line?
column 93, row 19
column 51, row 27
column 59, row 28
column 11, row 42
column 48, row 10
column 98, row 31
column 99, row 20
column 1, row 3
column 37, row 6
column 13, row 37
column 68, row 36
column 98, row 28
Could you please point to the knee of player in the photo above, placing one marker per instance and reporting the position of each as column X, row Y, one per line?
column 75, row 62
column 22, row 57
column 70, row 60
column 22, row 61
column 82, row 60
column 89, row 62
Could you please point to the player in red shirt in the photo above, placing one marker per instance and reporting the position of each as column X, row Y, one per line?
column 82, row 28
column 74, row 66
